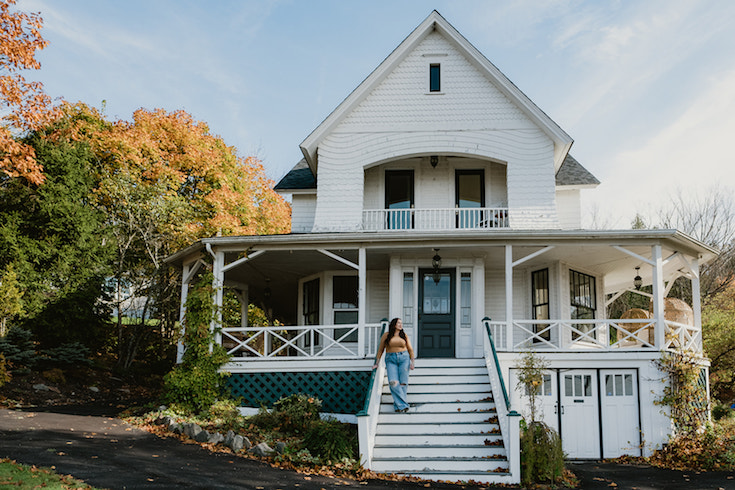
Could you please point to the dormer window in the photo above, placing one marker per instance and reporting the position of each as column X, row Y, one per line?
column 435, row 77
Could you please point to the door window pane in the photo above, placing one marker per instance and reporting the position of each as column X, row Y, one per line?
column 407, row 299
column 399, row 198
column 470, row 193
column 465, row 299
column 437, row 299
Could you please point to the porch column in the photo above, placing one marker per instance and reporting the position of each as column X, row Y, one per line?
column 361, row 299
column 658, row 297
column 697, row 300
column 218, row 285
column 182, row 311
column 509, row 297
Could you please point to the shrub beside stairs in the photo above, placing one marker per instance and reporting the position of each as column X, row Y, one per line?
column 450, row 433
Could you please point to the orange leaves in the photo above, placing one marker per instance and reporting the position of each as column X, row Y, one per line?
column 25, row 105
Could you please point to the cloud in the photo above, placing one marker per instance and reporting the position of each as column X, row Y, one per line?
column 693, row 152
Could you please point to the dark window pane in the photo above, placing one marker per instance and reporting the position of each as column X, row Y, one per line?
column 583, row 301
column 434, row 78
column 344, row 292
column 540, row 302
column 398, row 196
column 311, row 302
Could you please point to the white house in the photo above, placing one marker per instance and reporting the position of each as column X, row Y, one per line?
column 439, row 193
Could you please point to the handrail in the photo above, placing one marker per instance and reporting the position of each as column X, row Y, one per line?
column 486, row 321
column 371, row 382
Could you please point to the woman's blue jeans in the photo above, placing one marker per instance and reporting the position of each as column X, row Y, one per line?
column 397, row 364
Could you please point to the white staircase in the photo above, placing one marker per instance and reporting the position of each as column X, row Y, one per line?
column 451, row 431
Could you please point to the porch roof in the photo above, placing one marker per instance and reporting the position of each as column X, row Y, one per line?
column 393, row 240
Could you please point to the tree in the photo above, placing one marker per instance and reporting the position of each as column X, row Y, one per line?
column 57, row 244
column 718, row 329
column 710, row 218
column 24, row 102
column 11, row 303
column 164, row 182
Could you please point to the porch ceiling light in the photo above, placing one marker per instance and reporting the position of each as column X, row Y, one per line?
column 436, row 263
column 434, row 160
column 637, row 281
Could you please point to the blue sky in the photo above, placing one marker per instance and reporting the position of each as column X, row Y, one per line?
column 645, row 88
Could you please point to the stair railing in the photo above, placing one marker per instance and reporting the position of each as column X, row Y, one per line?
column 367, row 418
column 508, row 419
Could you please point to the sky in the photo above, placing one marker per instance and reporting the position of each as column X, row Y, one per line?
column 645, row 88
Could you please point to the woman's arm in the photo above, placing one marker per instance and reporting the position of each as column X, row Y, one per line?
column 410, row 351
column 381, row 348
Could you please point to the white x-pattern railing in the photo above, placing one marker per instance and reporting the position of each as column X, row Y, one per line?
column 576, row 335
column 303, row 342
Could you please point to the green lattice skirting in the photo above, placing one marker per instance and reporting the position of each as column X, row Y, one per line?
column 340, row 391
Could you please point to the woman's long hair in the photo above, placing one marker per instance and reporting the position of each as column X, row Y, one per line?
column 392, row 330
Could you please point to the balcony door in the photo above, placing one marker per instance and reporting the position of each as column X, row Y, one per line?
column 436, row 313
column 470, row 198
column 399, row 199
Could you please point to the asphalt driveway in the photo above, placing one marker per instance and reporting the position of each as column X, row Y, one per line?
column 108, row 453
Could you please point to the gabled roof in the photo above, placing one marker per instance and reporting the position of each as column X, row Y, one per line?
column 299, row 178
column 572, row 173
column 435, row 22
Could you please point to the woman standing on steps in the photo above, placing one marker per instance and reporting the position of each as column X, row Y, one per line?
column 399, row 359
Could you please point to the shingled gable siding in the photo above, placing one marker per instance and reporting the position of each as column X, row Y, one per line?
column 469, row 117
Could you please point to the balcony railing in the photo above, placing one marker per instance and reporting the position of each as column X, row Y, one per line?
column 590, row 335
column 302, row 342
column 435, row 219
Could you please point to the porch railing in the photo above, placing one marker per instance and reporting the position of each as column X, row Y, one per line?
column 590, row 335
column 302, row 342
column 435, row 219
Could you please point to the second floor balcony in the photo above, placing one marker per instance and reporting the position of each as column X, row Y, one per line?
column 438, row 219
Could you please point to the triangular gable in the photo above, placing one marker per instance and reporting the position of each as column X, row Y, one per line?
column 562, row 141
column 573, row 174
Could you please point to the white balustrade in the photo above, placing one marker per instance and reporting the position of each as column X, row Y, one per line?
column 435, row 219
column 307, row 341
column 586, row 335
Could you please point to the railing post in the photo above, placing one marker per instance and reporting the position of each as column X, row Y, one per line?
column 514, row 445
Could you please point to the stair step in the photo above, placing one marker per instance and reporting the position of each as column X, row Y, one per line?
column 410, row 464
column 416, row 387
column 422, row 451
column 436, row 428
column 441, row 397
column 450, row 371
column 434, row 417
column 444, row 407
column 447, row 439
column 423, row 362
column 463, row 476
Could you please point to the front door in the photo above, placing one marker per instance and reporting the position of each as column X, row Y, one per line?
column 436, row 313
column 580, row 420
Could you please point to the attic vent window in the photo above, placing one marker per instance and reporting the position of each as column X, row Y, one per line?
column 434, row 77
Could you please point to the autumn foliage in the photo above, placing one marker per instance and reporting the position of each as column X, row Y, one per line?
column 24, row 104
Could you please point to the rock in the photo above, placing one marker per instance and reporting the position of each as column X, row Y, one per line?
column 176, row 428
column 280, row 447
column 237, row 443
column 40, row 387
column 228, row 438
column 167, row 420
column 263, row 450
column 202, row 436
column 192, row 430
column 94, row 389
column 215, row 438
column 162, row 408
column 246, row 443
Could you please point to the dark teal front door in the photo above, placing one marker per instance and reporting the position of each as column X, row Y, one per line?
column 436, row 313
